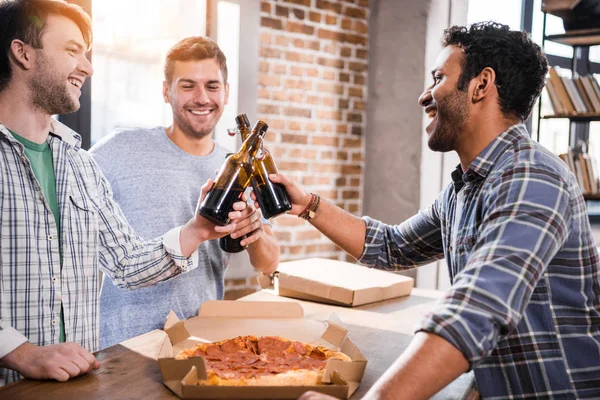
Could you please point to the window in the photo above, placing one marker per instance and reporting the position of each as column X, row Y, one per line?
column 131, row 40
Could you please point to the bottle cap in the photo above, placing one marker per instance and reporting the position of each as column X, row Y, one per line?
column 261, row 127
column 242, row 120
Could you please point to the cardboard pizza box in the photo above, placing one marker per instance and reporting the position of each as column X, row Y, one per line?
column 336, row 282
column 219, row 320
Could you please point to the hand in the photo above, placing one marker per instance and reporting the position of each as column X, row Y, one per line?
column 249, row 224
column 61, row 361
column 205, row 229
column 315, row 396
column 298, row 197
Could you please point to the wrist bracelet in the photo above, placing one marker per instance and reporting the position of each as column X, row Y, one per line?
column 311, row 208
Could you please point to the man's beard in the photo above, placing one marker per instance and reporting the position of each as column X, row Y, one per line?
column 452, row 114
column 49, row 90
column 190, row 131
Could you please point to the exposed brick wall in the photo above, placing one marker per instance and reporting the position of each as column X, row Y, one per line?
column 313, row 92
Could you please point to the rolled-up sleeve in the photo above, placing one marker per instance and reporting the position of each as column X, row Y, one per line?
column 416, row 241
column 10, row 338
column 525, row 222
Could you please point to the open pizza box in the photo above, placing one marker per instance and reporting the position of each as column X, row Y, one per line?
column 219, row 320
column 335, row 282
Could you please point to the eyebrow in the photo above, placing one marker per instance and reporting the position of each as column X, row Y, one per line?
column 76, row 44
column 212, row 82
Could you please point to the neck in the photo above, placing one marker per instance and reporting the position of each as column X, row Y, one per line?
column 191, row 145
column 18, row 115
column 479, row 133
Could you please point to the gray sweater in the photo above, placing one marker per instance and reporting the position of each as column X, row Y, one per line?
column 157, row 185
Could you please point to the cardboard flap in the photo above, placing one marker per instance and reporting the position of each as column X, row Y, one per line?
column 265, row 281
column 250, row 309
column 336, row 332
column 172, row 369
column 172, row 319
column 178, row 332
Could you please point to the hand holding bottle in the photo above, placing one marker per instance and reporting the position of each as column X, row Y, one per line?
column 297, row 195
column 249, row 224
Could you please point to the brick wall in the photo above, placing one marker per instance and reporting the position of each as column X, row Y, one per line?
column 313, row 92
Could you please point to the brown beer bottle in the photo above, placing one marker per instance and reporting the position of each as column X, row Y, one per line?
column 272, row 197
column 233, row 178
column 229, row 244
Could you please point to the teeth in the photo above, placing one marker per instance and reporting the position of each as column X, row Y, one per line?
column 200, row 112
column 432, row 114
column 75, row 83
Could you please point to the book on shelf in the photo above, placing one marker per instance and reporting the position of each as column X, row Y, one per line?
column 585, row 169
column 561, row 91
column 588, row 85
column 573, row 96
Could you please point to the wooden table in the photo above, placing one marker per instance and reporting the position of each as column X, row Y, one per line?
column 130, row 371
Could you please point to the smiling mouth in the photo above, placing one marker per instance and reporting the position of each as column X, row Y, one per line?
column 200, row 112
column 431, row 112
column 75, row 83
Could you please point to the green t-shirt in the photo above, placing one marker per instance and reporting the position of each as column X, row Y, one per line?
column 40, row 157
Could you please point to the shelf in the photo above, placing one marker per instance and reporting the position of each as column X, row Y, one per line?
column 592, row 196
column 583, row 37
column 583, row 117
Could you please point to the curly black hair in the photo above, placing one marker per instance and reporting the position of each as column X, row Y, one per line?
column 519, row 63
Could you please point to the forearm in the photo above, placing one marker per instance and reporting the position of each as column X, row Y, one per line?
column 428, row 365
column 341, row 227
column 264, row 253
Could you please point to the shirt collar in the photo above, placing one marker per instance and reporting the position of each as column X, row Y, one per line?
column 483, row 163
column 59, row 130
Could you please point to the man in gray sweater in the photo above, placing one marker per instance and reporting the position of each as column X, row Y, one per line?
column 156, row 175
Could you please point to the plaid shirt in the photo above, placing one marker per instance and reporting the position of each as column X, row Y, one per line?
column 524, row 306
column 94, row 234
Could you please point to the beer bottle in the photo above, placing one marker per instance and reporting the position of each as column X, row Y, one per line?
column 229, row 244
column 233, row 178
column 272, row 197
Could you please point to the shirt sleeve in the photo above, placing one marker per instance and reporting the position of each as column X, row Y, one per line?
column 10, row 338
column 416, row 241
column 525, row 223
column 126, row 258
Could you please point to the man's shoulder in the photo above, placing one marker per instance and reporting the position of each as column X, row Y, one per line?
column 126, row 139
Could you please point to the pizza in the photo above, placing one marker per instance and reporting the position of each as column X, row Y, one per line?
column 262, row 361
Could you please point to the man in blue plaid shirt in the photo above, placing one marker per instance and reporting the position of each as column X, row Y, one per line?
column 59, row 222
column 523, row 311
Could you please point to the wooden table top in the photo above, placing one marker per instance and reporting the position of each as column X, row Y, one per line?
column 130, row 371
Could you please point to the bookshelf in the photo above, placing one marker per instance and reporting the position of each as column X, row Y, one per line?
column 583, row 106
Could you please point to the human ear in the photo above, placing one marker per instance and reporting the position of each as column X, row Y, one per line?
column 21, row 53
column 166, row 92
column 484, row 83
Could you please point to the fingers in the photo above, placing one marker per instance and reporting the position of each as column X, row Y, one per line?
column 205, row 189
column 89, row 359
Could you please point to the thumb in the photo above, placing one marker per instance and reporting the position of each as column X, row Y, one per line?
column 206, row 188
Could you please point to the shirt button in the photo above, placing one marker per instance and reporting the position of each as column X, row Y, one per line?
column 54, row 322
column 54, row 279
column 50, row 237
column 450, row 248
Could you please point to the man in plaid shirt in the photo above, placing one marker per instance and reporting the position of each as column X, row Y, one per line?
column 524, row 308
column 59, row 222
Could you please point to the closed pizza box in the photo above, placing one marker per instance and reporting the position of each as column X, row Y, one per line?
column 336, row 282
column 219, row 320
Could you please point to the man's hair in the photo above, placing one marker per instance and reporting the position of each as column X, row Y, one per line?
column 195, row 48
column 26, row 20
column 519, row 63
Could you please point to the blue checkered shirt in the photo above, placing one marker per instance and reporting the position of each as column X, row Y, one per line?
column 524, row 305
column 94, row 234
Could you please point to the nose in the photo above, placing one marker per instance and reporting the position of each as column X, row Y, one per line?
column 85, row 66
column 201, row 95
column 425, row 98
